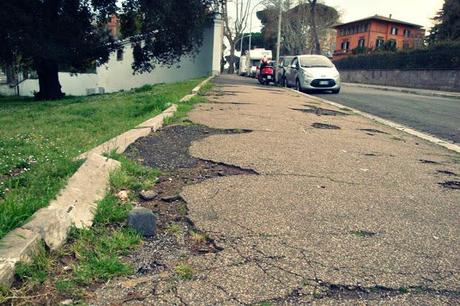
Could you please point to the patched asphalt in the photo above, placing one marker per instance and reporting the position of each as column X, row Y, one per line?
column 356, row 215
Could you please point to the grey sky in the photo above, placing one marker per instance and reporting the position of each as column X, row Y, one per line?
column 415, row 11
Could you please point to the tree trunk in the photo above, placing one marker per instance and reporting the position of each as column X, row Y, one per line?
column 48, row 79
column 231, row 68
column 314, row 31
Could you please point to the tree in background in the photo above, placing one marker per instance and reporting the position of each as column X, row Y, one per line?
column 257, row 41
column 49, row 35
column 236, row 26
column 447, row 23
column 297, row 37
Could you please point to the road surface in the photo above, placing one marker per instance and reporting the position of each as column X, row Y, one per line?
column 433, row 115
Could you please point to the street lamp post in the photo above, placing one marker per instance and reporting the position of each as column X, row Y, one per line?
column 278, row 42
column 250, row 24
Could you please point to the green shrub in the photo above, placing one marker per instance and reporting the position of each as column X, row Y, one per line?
column 441, row 56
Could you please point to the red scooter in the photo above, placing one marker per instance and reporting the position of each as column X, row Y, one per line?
column 265, row 73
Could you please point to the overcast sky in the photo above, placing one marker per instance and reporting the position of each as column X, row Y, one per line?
column 414, row 11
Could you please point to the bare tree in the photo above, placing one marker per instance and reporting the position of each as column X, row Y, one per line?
column 235, row 25
column 297, row 31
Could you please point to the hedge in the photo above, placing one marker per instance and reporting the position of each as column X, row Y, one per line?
column 440, row 56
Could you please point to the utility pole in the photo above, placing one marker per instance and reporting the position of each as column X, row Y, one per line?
column 278, row 42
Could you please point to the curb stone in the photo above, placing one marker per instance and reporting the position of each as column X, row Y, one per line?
column 440, row 142
column 76, row 204
column 415, row 91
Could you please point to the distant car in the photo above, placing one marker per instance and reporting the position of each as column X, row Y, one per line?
column 282, row 68
column 313, row 73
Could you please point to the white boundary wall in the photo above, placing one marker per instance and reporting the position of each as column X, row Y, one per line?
column 118, row 75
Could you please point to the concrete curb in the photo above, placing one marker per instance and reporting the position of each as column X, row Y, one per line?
column 415, row 91
column 121, row 142
column 76, row 204
column 400, row 127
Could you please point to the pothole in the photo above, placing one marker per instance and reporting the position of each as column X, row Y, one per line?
column 178, row 237
column 455, row 185
column 320, row 111
column 426, row 161
column 449, row 173
column 325, row 126
column 374, row 131
column 167, row 149
column 364, row 233
column 231, row 103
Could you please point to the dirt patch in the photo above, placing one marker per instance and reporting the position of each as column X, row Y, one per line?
column 325, row 126
column 455, row 185
column 177, row 236
column 373, row 131
column 320, row 111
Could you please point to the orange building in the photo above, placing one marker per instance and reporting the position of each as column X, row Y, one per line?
column 373, row 32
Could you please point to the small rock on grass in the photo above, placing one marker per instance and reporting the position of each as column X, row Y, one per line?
column 148, row 195
column 143, row 221
column 123, row 195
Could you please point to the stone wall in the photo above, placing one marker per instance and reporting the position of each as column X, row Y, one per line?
column 446, row 80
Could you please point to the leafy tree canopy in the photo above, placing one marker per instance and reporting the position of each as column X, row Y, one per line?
column 447, row 23
column 49, row 35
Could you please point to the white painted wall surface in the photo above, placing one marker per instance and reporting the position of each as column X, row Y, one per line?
column 118, row 75
column 72, row 85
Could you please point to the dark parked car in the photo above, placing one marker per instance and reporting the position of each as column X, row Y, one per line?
column 281, row 69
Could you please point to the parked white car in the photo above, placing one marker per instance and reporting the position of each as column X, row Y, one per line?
column 313, row 73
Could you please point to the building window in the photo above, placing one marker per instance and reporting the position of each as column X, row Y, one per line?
column 345, row 46
column 379, row 42
column 119, row 55
column 361, row 42
column 393, row 43
column 406, row 45
column 394, row 31
column 406, row 33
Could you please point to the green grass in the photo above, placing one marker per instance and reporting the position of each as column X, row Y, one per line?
column 35, row 272
column 184, row 271
column 40, row 140
column 184, row 108
column 97, row 251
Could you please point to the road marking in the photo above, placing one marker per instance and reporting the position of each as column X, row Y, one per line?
column 443, row 143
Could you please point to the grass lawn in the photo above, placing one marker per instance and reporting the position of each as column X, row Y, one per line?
column 39, row 140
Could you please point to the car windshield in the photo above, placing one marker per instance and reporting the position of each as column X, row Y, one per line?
column 315, row 61
column 288, row 61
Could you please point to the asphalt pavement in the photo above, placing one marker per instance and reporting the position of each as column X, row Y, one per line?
column 338, row 210
column 437, row 116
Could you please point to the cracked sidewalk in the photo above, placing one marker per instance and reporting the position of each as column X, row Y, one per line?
column 294, row 233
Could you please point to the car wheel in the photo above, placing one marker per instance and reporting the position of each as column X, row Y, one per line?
column 297, row 85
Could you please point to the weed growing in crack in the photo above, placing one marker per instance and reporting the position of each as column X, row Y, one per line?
column 198, row 237
column 174, row 229
column 184, row 271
